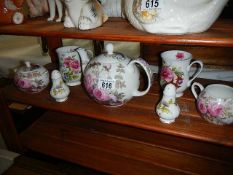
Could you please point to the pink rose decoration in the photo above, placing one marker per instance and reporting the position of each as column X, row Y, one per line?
column 180, row 55
column 201, row 106
column 215, row 109
column 100, row 95
column 88, row 83
column 166, row 74
column 22, row 83
column 67, row 61
column 74, row 64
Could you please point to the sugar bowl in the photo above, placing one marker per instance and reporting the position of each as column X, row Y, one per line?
column 31, row 78
column 215, row 102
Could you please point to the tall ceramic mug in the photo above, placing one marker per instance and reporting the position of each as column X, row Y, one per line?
column 72, row 62
column 175, row 69
column 215, row 102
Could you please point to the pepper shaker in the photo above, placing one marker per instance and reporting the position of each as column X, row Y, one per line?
column 59, row 90
column 167, row 109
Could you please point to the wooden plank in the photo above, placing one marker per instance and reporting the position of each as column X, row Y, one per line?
column 214, row 57
column 220, row 34
column 139, row 113
column 92, row 148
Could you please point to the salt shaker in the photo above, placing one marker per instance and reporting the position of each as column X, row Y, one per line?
column 167, row 109
column 59, row 90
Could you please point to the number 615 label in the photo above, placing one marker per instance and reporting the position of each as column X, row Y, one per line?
column 150, row 4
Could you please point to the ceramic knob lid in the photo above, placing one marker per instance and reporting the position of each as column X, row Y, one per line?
column 109, row 48
column 56, row 74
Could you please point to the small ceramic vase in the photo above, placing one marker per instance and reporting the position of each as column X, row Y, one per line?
column 167, row 109
column 59, row 90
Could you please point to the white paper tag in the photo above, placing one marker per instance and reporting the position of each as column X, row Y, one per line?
column 106, row 84
column 151, row 4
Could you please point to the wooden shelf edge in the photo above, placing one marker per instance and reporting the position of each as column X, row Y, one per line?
column 80, row 136
column 139, row 113
column 220, row 34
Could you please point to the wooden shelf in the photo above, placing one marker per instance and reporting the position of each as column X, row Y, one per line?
column 138, row 113
column 107, row 146
column 117, row 29
column 130, row 138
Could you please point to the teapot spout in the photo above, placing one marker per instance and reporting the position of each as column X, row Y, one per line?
column 85, row 56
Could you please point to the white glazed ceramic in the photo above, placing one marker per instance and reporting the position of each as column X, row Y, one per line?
column 173, row 16
column 167, row 109
column 59, row 90
column 215, row 102
column 84, row 14
column 72, row 61
column 113, row 79
column 112, row 8
column 31, row 78
column 175, row 69
column 55, row 6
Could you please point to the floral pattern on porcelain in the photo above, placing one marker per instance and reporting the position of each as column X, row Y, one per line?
column 102, row 92
column 172, row 74
column 214, row 110
column 113, row 79
column 32, row 81
column 71, row 69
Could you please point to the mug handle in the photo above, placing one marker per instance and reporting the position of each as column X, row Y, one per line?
column 197, row 73
column 193, row 88
column 149, row 74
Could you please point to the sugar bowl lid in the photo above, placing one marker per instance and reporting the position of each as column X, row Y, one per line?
column 31, row 68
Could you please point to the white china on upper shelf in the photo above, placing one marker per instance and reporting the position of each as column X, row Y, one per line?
column 84, row 14
column 173, row 16
column 113, row 79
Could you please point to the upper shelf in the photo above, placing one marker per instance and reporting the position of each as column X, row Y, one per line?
column 118, row 29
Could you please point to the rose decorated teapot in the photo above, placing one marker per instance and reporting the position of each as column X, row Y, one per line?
column 113, row 79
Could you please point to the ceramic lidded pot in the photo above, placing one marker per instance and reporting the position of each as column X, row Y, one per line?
column 215, row 102
column 113, row 79
column 31, row 78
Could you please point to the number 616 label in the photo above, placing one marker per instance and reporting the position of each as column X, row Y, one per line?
column 106, row 84
column 150, row 4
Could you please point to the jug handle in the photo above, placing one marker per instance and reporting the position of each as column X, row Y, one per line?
column 193, row 88
column 149, row 74
column 197, row 73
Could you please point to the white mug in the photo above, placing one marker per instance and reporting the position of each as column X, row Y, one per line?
column 176, row 65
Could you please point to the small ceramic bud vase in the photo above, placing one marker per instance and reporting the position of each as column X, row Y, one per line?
column 59, row 90
column 167, row 109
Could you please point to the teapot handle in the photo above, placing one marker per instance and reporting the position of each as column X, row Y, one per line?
column 193, row 88
column 149, row 74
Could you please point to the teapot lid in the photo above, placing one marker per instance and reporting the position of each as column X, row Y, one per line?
column 109, row 48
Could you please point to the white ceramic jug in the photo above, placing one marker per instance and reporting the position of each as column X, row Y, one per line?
column 72, row 62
